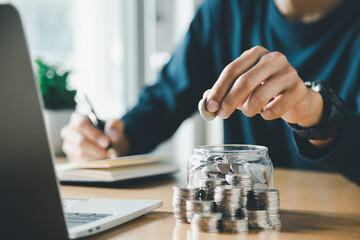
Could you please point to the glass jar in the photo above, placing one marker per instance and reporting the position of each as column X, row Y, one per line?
column 236, row 159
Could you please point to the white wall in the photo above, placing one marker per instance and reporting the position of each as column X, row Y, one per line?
column 99, row 54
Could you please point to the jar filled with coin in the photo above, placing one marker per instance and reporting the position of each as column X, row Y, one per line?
column 246, row 166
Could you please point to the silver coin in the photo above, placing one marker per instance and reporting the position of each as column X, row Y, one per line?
column 259, row 185
column 198, row 206
column 239, row 205
column 243, row 180
column 242, row 168
column 205, row 114
column 259, row 219
column 265, row 200
column 224, row 168
column 258, row 173
column 228, row 200
column 206, row 222
column 234, row 225
column 214, row 158
column 181, row 194
column 208, row 187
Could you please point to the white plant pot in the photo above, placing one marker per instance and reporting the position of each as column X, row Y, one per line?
column 55, row 120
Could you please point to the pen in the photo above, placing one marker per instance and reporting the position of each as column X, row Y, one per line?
column 99, row 124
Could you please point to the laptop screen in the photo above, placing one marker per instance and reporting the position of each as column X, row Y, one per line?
column 30, row 203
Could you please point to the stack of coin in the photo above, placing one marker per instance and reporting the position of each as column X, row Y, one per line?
column 259, row 219
column 228, row 200
column 268, row 199
column 242, row 213
column 261, row 212
column 240, row 179
column 197, row 206
column 208, row 186
column 181, row 194
column 207, row 222
column 234, row 225
column 244, row 181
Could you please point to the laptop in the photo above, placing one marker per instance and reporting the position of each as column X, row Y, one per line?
column 30, row 203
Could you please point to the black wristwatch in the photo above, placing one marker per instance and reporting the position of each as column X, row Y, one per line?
column 332, row 119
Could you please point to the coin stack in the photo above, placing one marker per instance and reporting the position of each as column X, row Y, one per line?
column 268, row 199
column 181, row 194
column 228, row 200
column 261, row 212
column 197, row 206
column 207, row 222
column 244, row 181
column 259, row 219
column 208, row 186
column 239, row 179
column 234, row 225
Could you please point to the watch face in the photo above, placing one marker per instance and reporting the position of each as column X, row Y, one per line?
column 308, row 84
column 316, row 88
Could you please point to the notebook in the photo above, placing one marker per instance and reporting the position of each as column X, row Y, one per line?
column 111, row 170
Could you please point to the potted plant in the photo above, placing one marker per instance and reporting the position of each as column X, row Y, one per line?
column 58, row 101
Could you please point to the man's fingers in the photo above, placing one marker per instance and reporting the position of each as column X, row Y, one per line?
column 260, row 81
column 86, row 146
column 268, row 65
column 82, row 149
column 76, row 155
column 85, row 127
column 263, row 94
column 231, row 72
column 279, row 106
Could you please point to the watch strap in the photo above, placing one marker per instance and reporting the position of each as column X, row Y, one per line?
column 332, row 119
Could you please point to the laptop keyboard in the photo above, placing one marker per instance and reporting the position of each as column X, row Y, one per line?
column 76, row 219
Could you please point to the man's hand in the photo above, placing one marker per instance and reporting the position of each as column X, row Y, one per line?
column 264, row 82
column 84, row 142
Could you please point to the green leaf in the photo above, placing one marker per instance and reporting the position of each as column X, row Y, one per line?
column 54, row 87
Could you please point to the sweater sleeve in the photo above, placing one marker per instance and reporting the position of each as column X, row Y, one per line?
column 163, row 106
column 343, row 157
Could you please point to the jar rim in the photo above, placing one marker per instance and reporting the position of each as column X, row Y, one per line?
column 232, row 148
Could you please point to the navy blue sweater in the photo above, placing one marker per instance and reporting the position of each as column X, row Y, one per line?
column 328, row 49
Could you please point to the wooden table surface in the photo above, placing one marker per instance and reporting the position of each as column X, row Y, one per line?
column 313, row 206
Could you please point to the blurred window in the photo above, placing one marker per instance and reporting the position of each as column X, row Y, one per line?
column 113, row 47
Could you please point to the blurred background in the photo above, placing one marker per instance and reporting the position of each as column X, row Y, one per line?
column 112, row 48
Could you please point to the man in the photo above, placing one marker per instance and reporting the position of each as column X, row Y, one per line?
column 254, row 57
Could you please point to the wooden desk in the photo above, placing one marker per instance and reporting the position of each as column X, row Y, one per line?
column 313, row 206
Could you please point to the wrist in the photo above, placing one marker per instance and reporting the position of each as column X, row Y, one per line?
column 314, row 106
column 332, row 117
